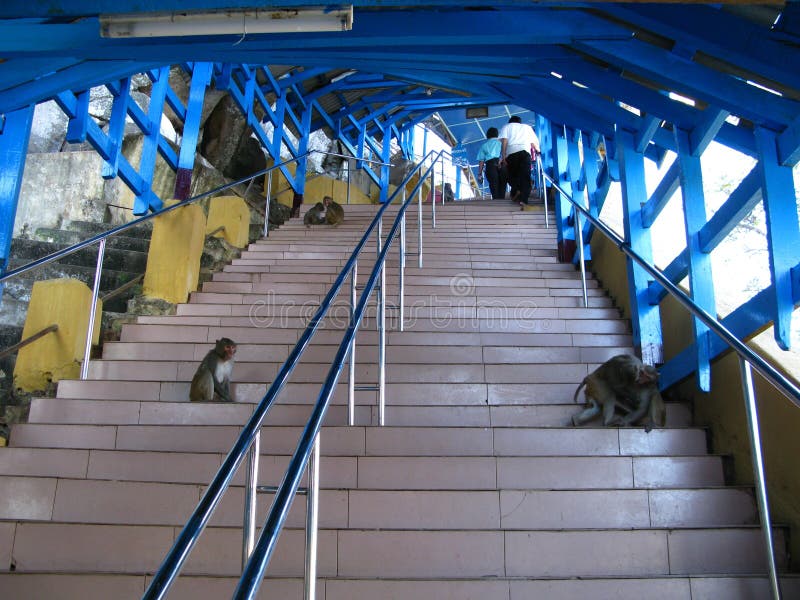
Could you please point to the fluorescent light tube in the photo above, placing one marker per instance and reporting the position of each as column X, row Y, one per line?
column 227, row 22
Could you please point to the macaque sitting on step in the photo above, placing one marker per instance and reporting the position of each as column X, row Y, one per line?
column 327, row 211
column 213, row 377
column 625, row 383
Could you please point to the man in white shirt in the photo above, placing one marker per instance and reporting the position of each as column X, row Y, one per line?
column 519, row 144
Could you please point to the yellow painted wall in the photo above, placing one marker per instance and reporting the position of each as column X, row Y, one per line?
column 722, row 410
column 281, row 190
column 318, row 186
column 232, row 213
column 357, row 196
column 64, row 302
column 173, row 262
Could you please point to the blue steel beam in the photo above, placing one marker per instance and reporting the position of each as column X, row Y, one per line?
column 560, row 169
column 789, row 144
column 346, row 142
column 201, row 78
column 16, row 128
column 703, row 134
column 645, row 317
column 387, row 28
column 783, row 231
column 701, row 281
column 116, row 125
column 738, row 205
column 80, row 76
column 153, row 141
column 661, row 195
column 696, row 81
column 747, row 320
column 103, row 146
column 720, row 34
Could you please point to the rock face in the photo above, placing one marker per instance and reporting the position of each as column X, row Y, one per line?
column 222, row 135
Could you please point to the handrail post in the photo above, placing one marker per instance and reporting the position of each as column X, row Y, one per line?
column 442, row 179
column 402, row 285
column 348, row 181
column 382, row 350
column 351, row 380
column 266, row 210
column 250, row 500
column 98, row 271
column 433, row 195
column 579, row 240
column 419, row 228
column 540, row 170
column 312, row 525
column 378, row 248
column 751, row 410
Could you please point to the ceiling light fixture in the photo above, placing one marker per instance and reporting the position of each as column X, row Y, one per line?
column 226, row 22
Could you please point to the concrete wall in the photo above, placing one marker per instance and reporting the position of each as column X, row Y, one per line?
column 58, row 187
column 722, row 410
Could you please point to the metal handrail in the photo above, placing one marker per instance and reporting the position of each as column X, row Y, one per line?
column 102, row 237
column 189, row 535
column 21, row 344
column 130, row 224
column 747, row 359
column 254, row 570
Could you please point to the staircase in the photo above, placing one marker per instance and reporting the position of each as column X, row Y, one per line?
column 475, row 489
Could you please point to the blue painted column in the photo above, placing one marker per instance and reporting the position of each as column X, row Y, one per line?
column 591, row 169
column 116, row 126
column 701, row 281
column 565, row 235
column 780, row 207
column 302, row 147
column 201, row 77
column 147, row 163
column 576, row 175
column 14, row 135
column 386, row 157
column 543, row 132
column 645, row 318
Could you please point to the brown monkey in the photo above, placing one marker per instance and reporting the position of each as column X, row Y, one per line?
column 625, row 382
column 334, row 212
column 213, row 376
column 327, row 211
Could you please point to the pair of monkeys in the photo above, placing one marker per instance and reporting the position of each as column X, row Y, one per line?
column 327, row 211
column 213, row 376
column 626, row 383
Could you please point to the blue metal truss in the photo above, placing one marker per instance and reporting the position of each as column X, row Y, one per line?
column 593, row 77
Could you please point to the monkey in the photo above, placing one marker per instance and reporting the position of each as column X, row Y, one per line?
column 622, row 381
column 327, row 211
column 213, row 376
column 334, row 214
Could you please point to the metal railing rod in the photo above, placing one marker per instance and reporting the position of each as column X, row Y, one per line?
column 98, row 272
column 250, row 500
column 787, row 387
column 123, row 288
column 29, row 340
column 130, row 224
column 190, row 533
column 747, row 358
column 312, row 521
column 579, row 240
column 754, row 436
column 271, row 489
column 254, row 571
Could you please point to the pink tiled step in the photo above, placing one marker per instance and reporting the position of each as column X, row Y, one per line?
column 70, row 586
column 385, row 441
column 388, row 554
